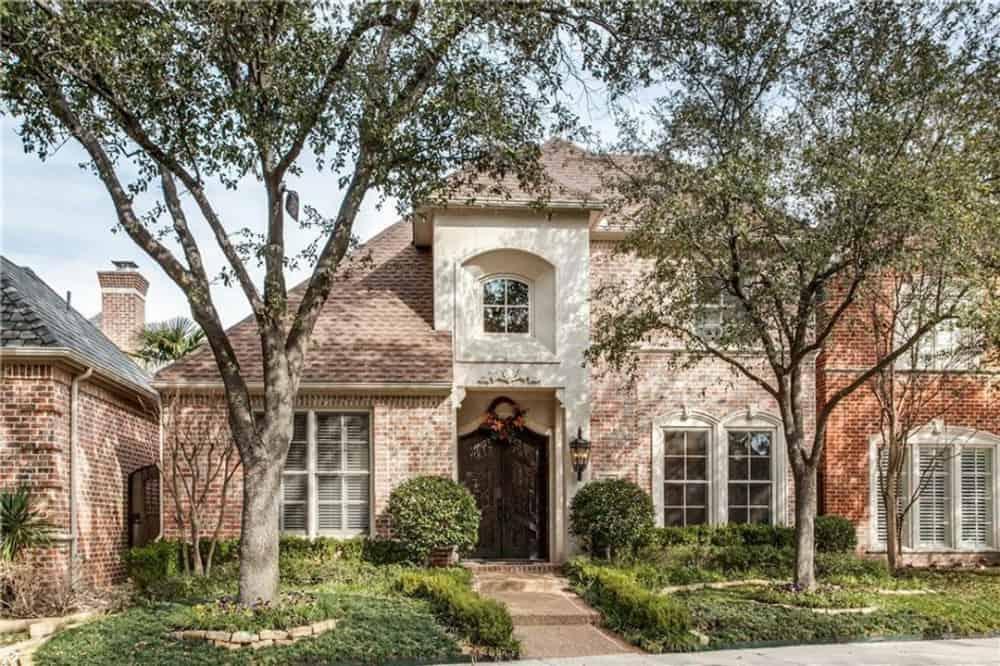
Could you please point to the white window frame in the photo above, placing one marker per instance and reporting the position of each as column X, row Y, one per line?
column 312, row 505
column 483, row 305
column 955, row 438
column 718, row 458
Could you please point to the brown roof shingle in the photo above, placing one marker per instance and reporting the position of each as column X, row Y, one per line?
column 377, row 327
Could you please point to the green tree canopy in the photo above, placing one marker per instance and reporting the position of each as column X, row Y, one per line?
column 802, row 151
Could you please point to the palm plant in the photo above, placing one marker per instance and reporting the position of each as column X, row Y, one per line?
column 20, row 525
column 167, row 341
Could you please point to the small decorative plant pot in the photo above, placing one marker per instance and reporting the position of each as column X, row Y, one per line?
column 443, row 556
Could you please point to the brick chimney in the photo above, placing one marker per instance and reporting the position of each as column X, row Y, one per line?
column 123, row 304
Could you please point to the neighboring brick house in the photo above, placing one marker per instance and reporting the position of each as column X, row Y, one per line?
column 77, row 418
column 487, row 298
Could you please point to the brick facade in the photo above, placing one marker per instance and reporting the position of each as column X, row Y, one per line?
column 623, row 411
column 123, row 306
column 117, row 434
column 411, row 436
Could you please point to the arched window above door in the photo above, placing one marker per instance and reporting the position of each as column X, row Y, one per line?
column 506, row 305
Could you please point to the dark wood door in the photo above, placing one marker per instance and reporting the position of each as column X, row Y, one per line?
column 509, row 481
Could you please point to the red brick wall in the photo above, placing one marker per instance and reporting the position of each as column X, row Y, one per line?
column 34, row 440
column 966, row 400
column 411, row 436
column 116, row 436
column 622, row 413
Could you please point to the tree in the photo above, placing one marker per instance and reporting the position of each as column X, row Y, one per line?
column 918, row 387
column 167, row 341
column 391, row 96
column 801, row 152
column 202, row 460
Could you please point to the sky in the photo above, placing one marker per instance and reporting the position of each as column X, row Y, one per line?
column 57, row 219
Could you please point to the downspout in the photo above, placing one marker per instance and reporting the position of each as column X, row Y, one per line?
column 74, row 480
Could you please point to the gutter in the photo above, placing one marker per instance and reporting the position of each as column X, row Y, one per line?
column 65, row 353
column 74, row 477
column 377, row 388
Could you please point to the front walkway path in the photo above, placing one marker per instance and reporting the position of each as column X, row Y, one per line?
column 550, row 620
column 967, row 652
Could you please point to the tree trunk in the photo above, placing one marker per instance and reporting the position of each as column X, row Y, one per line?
column 805, row 518
column 259, row 538
column 890, row 500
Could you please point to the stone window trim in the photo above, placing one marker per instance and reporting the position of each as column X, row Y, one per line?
column 938, row 435
column 312, row 518
column 718, row 442
column 530, row 306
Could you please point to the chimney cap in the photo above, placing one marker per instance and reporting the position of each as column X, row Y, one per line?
column 123, row 265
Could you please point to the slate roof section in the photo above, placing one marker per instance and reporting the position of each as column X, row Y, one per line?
column 571, row 176
column 32, row 315
column 377, row 326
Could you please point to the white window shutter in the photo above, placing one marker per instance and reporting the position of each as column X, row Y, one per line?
column 295, row 480
column 976, row 496
column 881, row 520
column 933, row 505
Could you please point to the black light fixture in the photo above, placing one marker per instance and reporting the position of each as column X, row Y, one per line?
column 579, row 449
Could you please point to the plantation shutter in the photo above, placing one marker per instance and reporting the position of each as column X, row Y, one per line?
column 976, row 496
column 343, row 472
column 933, row 505
column 881, row 520
column 295, row 479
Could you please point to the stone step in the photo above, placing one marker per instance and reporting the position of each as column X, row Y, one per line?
column 488, row 583
column 533, row 609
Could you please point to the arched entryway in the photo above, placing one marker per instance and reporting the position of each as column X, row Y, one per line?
column 508, row 476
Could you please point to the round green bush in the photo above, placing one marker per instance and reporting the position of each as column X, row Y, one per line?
column 608, row 517
column 434, row 512
column 835, row 534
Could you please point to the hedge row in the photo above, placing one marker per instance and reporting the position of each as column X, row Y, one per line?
column 655, row 622
column 833, row 534
column 484, row 622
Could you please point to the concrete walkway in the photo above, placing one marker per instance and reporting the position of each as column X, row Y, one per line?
column 550, row 621
column 969, row 652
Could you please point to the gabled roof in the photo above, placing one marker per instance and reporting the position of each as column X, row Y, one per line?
column 33, row 316
column 571, row 176
column 376, row 328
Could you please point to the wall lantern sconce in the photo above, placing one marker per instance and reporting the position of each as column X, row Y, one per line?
column 579, row 449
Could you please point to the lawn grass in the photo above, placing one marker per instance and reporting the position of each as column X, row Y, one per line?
column 375, row 625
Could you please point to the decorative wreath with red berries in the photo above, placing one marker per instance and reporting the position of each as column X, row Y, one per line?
column 504, row 418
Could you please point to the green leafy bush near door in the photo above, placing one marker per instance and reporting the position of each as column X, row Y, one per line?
column 430, row 512
column 611, row 517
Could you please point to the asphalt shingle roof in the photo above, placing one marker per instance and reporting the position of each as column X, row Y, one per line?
column 33, row 315
column 377, row 326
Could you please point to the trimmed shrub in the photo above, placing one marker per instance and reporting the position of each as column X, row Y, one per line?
column 726, row 535
column 484, row 622
column 150, row 564
column 434, row 512
column 655, row 622
column 612, row 516
column 835, row 534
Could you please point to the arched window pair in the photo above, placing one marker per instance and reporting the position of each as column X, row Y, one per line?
column 506, row 305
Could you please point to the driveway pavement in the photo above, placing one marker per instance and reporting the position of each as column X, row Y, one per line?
column 969, row 652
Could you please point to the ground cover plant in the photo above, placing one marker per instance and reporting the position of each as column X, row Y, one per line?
column 356, row 582
column 914, row 604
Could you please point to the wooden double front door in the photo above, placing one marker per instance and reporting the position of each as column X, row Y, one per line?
column 510, row 482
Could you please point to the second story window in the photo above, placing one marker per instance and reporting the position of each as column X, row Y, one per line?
column 506, row 306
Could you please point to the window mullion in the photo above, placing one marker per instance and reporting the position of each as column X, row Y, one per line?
column 955, row 491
